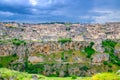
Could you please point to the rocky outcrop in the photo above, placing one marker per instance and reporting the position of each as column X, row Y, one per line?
column 117, row 50
column 6, row 49
column 99, row 58
column 36, row 48
column 35, row 59
column 9, row 49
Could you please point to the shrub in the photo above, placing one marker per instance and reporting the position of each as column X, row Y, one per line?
column 118, row 63
column 35, row 68
column 91, row 44
column 89, row 50
column 62, row 55
column 6, row 60
column 74, row 77
column 14, row 55
column 18, row 42
column 105, row 63
column 109, row 45
column 110, row 70
column 22, row 29
column 110, row 65
column 85, row 68
column 1, row 65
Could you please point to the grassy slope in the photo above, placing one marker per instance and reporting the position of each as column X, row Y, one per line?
column 6, row 60
column 6, row 73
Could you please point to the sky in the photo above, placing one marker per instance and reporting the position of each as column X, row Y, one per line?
column 39, row 11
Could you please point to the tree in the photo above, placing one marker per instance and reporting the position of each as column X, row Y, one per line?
column 89, row 50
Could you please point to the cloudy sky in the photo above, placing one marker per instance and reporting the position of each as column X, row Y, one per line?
column 83, row 11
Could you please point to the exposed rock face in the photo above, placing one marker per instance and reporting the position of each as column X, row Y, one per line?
column 77, row 69
column 52, row 32
column 12, row 78
column 117, row 50
column 61, row 74
column 35, row 77
column 35, row 59
column 76, row 64
column 100, row 57
column 5, row 49
column 36, row 47
column 9, row 49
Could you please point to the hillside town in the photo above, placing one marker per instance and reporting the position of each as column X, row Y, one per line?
column 55, row 31
column 39, row 45
column 60, row 40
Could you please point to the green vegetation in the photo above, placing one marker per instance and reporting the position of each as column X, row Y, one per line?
column 105, row 63
column 14, row 41
column 26, row 59
column 117, row 46
column 89, row 50
column 1, row 42
column 35, row 68
column 67, row 24
column 62, row 56
column 6, row 73
column 109, row 47
column 91, row 44
column 85, row 68
column 6, row 60
column 64, row 40
column 65, row 56
column 106, row 76
column 13, row 27
column 74, row 77
column 4, row 41
column 109, row 64
column 70, row 56
column 18, row 42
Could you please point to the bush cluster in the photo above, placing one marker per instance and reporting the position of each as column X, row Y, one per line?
column 89, row 50
column 109, row 46
column 18, row 42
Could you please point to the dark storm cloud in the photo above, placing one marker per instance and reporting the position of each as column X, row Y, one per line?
column 58, row 10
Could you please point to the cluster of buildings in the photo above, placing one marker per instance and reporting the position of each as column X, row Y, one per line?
column 56, row 31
